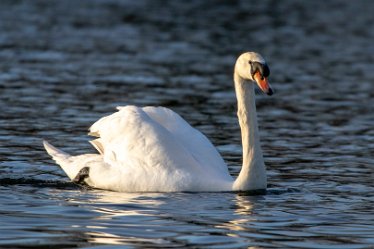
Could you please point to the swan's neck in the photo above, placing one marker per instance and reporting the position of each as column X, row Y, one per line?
column 253, row 173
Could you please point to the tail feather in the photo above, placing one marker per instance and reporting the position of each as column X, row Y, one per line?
column 61, row 158
column 72, row 165
column 57, row 155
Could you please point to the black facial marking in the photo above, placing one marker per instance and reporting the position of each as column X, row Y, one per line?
column 82, row 174
column 265, row 70
column 262, row 68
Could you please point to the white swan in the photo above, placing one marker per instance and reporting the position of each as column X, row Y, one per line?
column 152, row 149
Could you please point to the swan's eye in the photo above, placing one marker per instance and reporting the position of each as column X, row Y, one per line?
column 262, row 68
column 255, row 66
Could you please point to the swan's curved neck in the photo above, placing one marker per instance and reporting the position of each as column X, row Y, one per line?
column 253, row 173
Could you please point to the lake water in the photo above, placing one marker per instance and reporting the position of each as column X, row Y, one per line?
column 65, row 64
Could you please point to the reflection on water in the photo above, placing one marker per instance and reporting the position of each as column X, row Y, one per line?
column 65, row 64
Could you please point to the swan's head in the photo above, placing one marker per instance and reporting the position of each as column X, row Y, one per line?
column 252, row 66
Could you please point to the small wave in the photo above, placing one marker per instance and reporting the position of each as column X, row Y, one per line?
column 38, row 183
column 280, row 191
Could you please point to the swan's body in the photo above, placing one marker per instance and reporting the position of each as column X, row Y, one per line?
column 154, row 149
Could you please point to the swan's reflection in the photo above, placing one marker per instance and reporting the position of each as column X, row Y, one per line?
column 244, row 207
column 104, row 238
column 128, row 218
column 118, row 217
column 127, row 204
column 113, row 204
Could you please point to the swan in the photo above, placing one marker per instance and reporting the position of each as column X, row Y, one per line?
column 153, row 149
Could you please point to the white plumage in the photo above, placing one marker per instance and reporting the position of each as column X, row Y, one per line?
column 153, row 149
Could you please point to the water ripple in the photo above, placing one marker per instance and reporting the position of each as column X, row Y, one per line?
column 64, row 64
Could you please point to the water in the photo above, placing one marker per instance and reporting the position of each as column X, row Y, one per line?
column 65, row 64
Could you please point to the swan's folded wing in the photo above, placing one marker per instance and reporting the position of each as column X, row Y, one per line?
column 130, row 139
column 196, row 142
column 151, row 155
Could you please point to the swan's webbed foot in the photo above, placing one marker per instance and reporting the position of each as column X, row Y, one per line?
column 82, row 174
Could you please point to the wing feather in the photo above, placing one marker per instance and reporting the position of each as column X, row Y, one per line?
column 196, row 142
column 155, row 144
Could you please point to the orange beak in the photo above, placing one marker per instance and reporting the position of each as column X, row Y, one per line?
column 263, row 83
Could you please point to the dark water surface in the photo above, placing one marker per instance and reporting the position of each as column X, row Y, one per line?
column 65, row 64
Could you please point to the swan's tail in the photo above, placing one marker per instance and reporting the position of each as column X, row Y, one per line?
column 63, row 159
